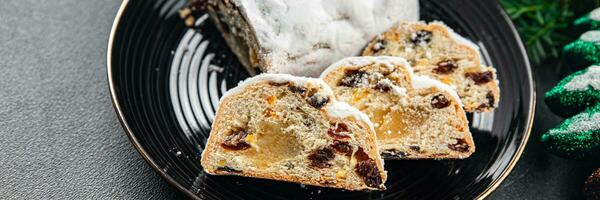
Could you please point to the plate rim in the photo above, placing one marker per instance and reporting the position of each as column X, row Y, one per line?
column 137, row 145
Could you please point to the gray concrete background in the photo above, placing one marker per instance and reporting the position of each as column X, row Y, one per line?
column 60, row 139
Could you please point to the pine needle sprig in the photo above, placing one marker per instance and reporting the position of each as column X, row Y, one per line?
column 543, row 25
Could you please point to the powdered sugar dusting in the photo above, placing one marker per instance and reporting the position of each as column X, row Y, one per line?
column 591, row 36
column 591, row 78
column 339, row 109
column 281, row 78
column 423, row 82
column 595, row 15
column 362, row 61
column 400, row 91
column 303, row 37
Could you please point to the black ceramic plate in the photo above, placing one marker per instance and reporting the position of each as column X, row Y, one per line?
column 166, row 79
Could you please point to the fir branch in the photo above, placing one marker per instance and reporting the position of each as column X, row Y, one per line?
column 543, row 25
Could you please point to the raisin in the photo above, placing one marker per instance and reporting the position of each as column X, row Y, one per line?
column 369, row 172
column 228, row 169
column 480, row 77
column 318, row 101
column 337, row 128
column 415, row 148
column 490, row 98
column 342, row 147
column 460, row 146
column 321, row 157
column 440, row 101
column 296, row 89
column 393, row 154
column 383, row 86
column 490, row 101
column 354, row 78
column 445, row 67
column 236, row 141
column 360, row 155
column 421, row 37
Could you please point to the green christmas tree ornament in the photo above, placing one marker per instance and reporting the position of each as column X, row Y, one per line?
column 584, row 51
column 575, row 92
column 589, row 21
column 577, row 137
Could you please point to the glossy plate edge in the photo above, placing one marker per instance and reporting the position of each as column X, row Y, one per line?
column 532, row 105
column 134, row 141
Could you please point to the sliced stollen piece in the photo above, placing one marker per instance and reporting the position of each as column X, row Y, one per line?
column 415, row 117
column 303, row 37
column 281, row 127
column 435, row 50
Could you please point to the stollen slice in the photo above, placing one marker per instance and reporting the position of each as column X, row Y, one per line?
column 436, row 51
column 415, row 117
column 281, row 127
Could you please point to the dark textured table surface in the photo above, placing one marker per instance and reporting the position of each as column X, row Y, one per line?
column 60, row 138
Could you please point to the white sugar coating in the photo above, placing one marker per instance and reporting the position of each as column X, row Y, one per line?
column 335, row 108
column 590, row 36
column 581, row 123
column 303, row 37
column 595, row 14
column 591, row 78
column 400, row 91
column 423, row 82
column 418, row 82
column 280, row 78
column 338, row 109
column 362, row 61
